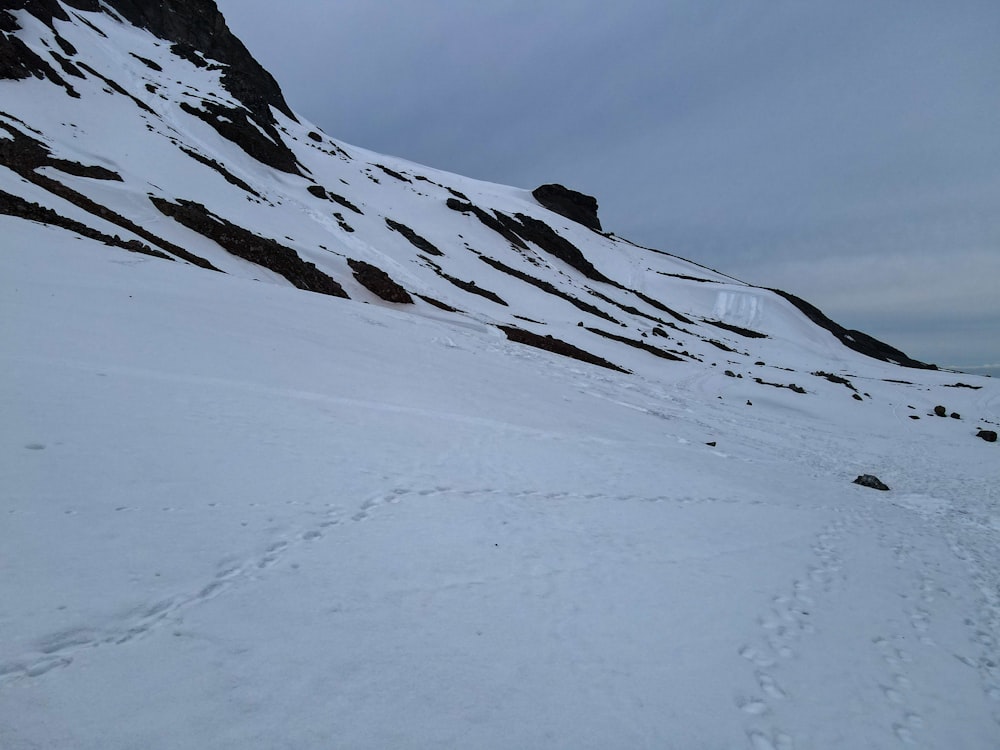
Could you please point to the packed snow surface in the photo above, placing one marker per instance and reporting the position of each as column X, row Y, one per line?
column 237, row 515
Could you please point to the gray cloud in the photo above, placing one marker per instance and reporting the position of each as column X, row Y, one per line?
column 845, row 151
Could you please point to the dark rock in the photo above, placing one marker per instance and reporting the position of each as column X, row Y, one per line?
column 487, row 220
column 315, row 136
column 198, row 25
column 656, row 352
column 249, row 246
column 394, row 174
column 835, row 379
column 711, row 444
column 791, row 386
column 730, row 374
column 914, row 416
column 550, row 241
column 471, row 288
column 547, row 287
column 749, row 403
column 736, row 329
column 18, row 61
column 235, row 124
column 344, row 202
column 557, row 346
column 856, row 340
column 856, row 397
column 378, row 282
column 66, row 47
column 148, row 63
column 870, row 480
column 940, row 411
column 663, row 308
column 438, row 303
column 955, row 415
column 990, row 436
column 574, row 206
column 226, row 174
column 68, row 68
column 13, row 205
column 414, row 239
column 23, row 154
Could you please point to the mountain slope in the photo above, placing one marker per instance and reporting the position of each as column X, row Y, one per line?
column 175, row 136
column 237, row 514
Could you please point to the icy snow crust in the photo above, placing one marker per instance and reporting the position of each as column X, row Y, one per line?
column 237, row 515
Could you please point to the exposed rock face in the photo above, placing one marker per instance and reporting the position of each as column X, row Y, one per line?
column 200, row 25
column 575, row 206
column 199, row 34
column 245, row 244
column 556, row 346
column 379, row 283
column 870, row 480
column 421, row 243
column 18, row 61
column 856, row 340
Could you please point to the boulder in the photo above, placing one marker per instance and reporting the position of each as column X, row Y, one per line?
column 940, row 411
column 870, row 480
column 990, row 436
column 574, row 206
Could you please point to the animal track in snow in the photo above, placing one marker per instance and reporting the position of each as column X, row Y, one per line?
column 777, row 741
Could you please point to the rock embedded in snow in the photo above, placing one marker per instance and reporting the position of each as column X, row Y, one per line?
column 870, row 480
column 990, row 436
column 378, row 282
column 940, row 411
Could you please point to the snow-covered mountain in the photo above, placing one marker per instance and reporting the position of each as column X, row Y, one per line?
column 498, row 478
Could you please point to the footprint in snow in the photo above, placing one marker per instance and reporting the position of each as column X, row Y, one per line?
column 770, row 686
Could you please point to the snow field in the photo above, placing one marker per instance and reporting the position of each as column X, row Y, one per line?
column 230, row 520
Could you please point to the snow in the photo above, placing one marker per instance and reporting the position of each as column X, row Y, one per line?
column 237, row 515
column 232, row 520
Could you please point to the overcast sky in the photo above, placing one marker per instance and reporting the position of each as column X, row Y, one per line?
column 848, row 151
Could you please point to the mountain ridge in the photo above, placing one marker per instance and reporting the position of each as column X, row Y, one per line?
column 258, row 121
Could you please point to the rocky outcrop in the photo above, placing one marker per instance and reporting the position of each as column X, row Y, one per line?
column 574, row 206
column 245, row 244
column 421, row 243
column 235, row 124
column 14, row 205
column 199, row 25
column 856, row 340
column 18, row 61
column 199, row 34
column 379, row 283
column 557, row 346
column 552, row 242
